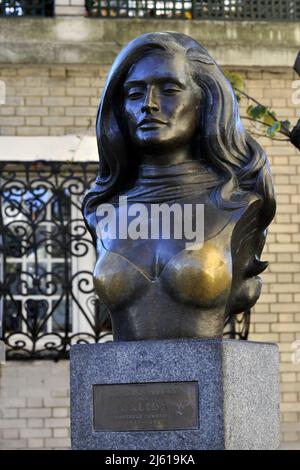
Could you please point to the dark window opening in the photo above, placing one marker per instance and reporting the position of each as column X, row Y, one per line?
column 17, row 8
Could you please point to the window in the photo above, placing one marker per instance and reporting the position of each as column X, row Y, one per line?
column 48, row 259
column 26, row 8
column 257, row 10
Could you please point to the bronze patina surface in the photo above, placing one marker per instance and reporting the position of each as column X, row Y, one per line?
column 169, row 131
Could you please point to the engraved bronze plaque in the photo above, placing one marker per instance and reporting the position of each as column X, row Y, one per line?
column 155, row 406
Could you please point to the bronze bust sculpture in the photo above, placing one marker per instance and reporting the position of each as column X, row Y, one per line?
column 169, row 131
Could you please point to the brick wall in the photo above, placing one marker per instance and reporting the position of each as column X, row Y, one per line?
column 34, row 405
column 60, row 100
column 276, row 317
column 50, row 100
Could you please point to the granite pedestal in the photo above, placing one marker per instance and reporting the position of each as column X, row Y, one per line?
column 175, row 395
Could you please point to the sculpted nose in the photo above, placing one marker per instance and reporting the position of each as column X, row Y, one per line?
column 150, row 103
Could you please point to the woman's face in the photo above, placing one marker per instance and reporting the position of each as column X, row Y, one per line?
column 161, row 102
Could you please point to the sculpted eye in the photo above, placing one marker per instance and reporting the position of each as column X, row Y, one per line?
column 171, row 91
column 134, row 94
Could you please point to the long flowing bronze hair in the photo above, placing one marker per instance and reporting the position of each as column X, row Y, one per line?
column 236, row 157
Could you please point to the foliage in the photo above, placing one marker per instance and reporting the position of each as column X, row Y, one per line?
column 236, row 81
column 256, row 111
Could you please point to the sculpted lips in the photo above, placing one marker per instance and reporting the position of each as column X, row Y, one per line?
column 151, row 123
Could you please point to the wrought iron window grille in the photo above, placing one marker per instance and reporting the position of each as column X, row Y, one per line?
column 235, row 10
column 47, row 257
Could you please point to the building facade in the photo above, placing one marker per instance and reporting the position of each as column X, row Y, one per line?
column 52, row 70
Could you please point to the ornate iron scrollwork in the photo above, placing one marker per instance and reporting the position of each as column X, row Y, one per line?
column 47, row 257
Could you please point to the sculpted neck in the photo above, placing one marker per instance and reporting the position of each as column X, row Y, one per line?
column 167, row 157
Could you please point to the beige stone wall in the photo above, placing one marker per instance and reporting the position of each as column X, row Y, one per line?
column 34, row 405
column 50, row 100
column 58, row 100
column 69, row 7
column 81, row 40
column 276, row 317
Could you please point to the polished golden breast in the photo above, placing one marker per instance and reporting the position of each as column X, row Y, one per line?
column 197, row 277
column 200, row 277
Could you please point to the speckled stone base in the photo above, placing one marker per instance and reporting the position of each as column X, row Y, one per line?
column 238, row 392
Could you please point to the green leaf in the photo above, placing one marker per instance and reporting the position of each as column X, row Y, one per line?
column 271, row 131
column 236, row 80
column 269, row 119
column 258, row 111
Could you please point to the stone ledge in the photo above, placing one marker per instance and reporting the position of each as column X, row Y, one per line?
column 79, row 40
